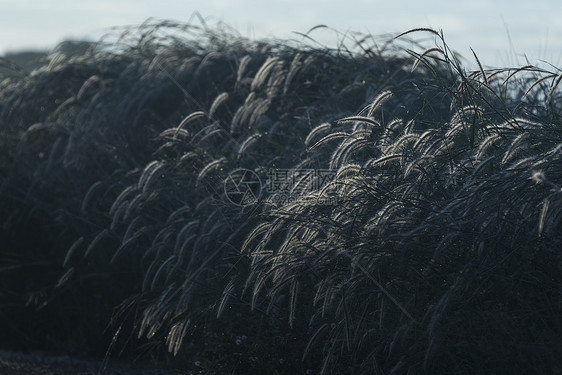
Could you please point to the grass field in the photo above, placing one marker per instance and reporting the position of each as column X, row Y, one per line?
column 221, row 205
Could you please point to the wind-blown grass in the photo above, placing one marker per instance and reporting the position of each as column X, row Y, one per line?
column 438, row 249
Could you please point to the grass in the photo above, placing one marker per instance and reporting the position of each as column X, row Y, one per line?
column 431, row 243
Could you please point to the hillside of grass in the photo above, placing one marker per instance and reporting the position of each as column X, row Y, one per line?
column 222, row 205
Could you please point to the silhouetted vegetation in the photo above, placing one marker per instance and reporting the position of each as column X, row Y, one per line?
column 432, row 244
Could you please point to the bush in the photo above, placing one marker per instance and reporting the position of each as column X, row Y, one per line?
column 407, row 219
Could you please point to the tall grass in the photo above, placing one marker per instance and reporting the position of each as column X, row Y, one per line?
column 437, row 250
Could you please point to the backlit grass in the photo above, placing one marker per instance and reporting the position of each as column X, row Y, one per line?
column 431, row 243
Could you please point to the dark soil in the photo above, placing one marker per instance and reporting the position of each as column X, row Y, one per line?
column 17, row 363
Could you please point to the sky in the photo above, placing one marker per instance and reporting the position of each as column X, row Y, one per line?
column 501, row 32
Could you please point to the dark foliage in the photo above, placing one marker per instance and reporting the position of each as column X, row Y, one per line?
column 433, row 245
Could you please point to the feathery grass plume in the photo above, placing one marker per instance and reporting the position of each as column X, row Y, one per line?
column 247, row 144
column 328, row 138
column 267, row 69
column 242, row 68
column 71, row 251
column 205, row 133
column 296, row 65
column 357, row 141
column 95, row 242
column 378, row 101
column 219, row 100
column 419, row 165
column 65, row 277
column 87, row 86
column 486, row 143
column 316, row 131
column 87, row 198
column 362, row 119
column 149, row 171
column 212, row 165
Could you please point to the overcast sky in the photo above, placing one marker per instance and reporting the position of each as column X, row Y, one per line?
column 499, row 31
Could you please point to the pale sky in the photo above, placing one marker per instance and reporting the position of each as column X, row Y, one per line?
column 501, row 32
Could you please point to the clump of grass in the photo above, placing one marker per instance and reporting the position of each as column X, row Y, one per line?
column 115, row 148
column 434, row 258
column 431, row 246
column 176, row 210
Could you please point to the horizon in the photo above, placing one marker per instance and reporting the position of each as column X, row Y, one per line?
column 500, row 33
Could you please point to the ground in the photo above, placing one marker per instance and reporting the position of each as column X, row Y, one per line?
column 17, row 363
